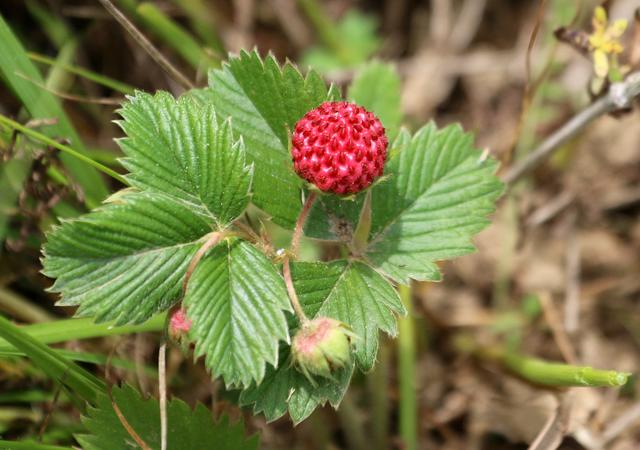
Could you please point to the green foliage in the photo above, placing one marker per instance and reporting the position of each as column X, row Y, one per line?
column 181, row 148
column 193, row 174
column 79, row 382
column 126, row 260
column 438, row 196
column 23, row 79
column 236, row 299
column 187, row 429
column 285, row 389
column 265, row 101
column 353, row 293
column 377, row 88
column 355, row 43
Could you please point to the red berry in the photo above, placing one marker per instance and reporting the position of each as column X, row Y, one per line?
column 340, row 147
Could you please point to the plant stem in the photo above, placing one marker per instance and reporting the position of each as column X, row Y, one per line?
column 619, row 96
column 162, row 388
column 53, row 143
column 212, row 240
column 407, row 373
column 115, row 85
column 352, row 424
column 293, row 297
column 73, row 329
column 378, row 384
column 299, row 228
column 293, row 252
column 147, row 46
column 543, row 372
column 361, row 234
column 175, row 36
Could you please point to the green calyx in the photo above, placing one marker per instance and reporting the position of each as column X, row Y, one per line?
column 321, row 347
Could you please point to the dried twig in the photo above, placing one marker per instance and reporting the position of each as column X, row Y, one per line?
column 147, row 45
column 619, row 96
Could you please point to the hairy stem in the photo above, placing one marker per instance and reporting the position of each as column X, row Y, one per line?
column 212, row 240
column 407, row 373
column 293, row 252
column 299, row 228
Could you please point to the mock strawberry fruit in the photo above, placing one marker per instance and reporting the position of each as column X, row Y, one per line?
column 321, row 347
column 340, row 147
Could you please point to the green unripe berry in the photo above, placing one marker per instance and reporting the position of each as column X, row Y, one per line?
column 321, row 347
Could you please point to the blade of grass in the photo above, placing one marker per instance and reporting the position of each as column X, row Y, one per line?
column 86, row 385
column 41, row 104
column 88, row 357
column 64, row 148
column 19, row 307
column 203, row 21
column 29, row 445
column 175, row 36
column 75, row 329
column 97, row 78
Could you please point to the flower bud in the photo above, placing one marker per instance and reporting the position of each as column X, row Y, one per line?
column 179, row 324
column 321, row 347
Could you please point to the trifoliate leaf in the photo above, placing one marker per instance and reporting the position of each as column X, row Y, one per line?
column 125, row 261
column 265, row 101
column 438, row 195
column 353, row 293
column 187, row 429
column 181, row 148
column 236, row 300
column 286, row 389
column 377, row 88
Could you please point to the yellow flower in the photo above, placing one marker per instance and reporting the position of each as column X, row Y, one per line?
column 605, row 41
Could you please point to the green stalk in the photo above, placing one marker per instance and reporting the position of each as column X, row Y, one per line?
column 22, row 308
column 378, row 384
column 17, row 445
column 175, row 36
column 407, row 373
column 203, row 21
column 74, row 329
column 21, row 76
column 55, row 144
column 80, row 382
column 325, row 27
column 84, row 73
column 352, row 424
column 543, row 372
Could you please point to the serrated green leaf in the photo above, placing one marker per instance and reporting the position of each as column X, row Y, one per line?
column 377, row 88
column 265, row 101
column 285, row 389
column 126, row 260
column 187, row 429
column 353, row 293
column 236, row 300
column 181, row 148
column 438, row 196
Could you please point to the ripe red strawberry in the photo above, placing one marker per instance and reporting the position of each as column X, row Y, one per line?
column 340, row 147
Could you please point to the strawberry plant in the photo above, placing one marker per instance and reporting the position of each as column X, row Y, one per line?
column 264, row 142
